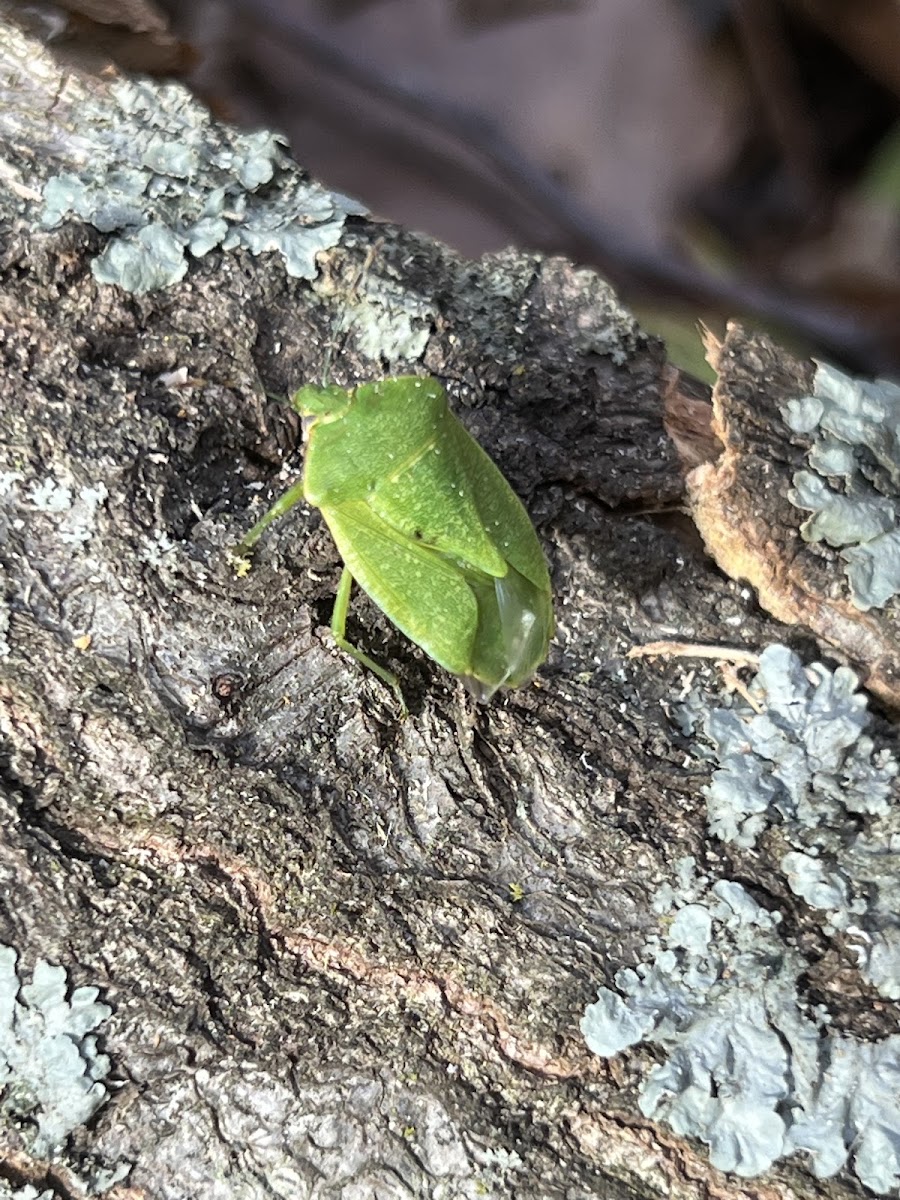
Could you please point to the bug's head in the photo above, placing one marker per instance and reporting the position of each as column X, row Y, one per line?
column 320, row 404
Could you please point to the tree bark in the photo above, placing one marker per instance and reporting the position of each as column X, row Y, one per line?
column 346, row 954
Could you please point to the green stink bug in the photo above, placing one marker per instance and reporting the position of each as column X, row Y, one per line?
column 427, row 526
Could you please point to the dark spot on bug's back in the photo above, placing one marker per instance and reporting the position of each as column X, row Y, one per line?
column 418, row 534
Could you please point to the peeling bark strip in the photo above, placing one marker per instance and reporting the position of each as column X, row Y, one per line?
column 343, row 954
column 742, row 508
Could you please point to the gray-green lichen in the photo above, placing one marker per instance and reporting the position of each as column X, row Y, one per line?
column 852, row 486
column 167, row 180
column 74, row 508
column 804, row 763
column 748, row 1067
column 389, row 322
column 50, row 1068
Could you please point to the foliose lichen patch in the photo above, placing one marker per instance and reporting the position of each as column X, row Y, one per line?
column 51, row 1071
column 853, row 484
column 750, row 1068
column 389, row 322
column 805, row 763
column 166, row 180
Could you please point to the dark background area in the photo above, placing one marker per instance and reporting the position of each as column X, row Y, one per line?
column 712, row 159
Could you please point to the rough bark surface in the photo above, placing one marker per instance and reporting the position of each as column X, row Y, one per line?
column 347, row 955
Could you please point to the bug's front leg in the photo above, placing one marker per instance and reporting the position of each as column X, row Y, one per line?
column 338, row 632
column 281, row 506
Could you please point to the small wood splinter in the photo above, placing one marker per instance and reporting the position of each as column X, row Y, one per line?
column 729, row 658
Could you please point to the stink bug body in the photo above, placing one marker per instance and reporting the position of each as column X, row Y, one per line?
column 427, row 526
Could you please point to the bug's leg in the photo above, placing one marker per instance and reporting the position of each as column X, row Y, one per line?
column 338, row 632
column 281, row 506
